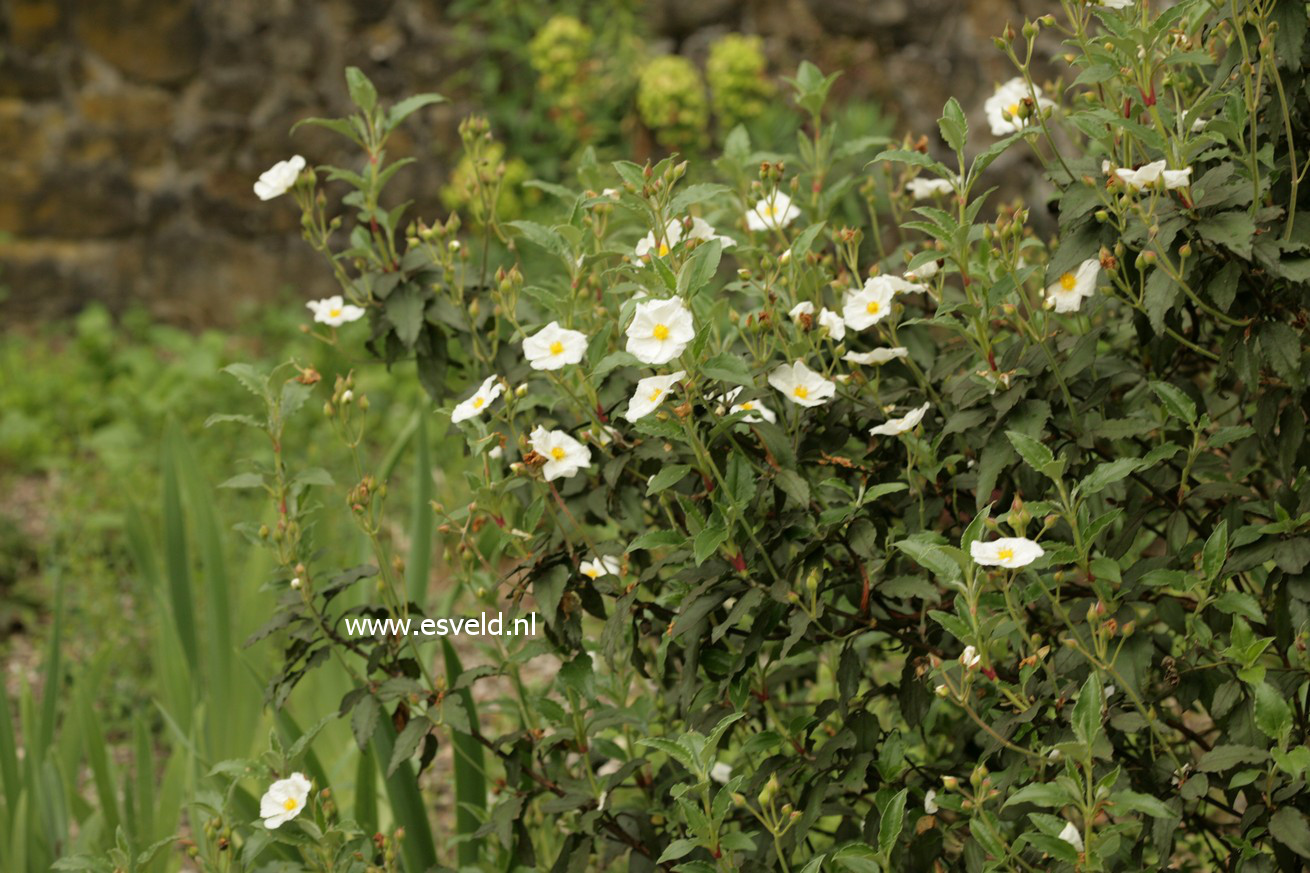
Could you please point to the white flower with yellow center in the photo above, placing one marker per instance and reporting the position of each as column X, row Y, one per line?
column 600, row 565
column 1066, row 293
column 490, row 389
column 773, row 212
column 334, row 311
column 704, row 231
column 650, row 393
column 872, row 303
column 756, row 411
column 1008, row 552
column 279, row 178
column 801, row 385
column 1005, row 107
column 877, row 356
column 1153, row 175
column 922, row 189
column 553, row 347
column 1071, row 836
column 564, row 455
column 648, row 245
column 833, row 324
column 898, row 426
column 660, row 330
column 284, row 800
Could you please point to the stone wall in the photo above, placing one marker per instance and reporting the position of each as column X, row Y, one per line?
column 131, row 131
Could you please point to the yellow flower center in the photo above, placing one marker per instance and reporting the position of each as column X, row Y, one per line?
column 664, row 249
column 557, row 348
column 1005, row 554
column 334, row 313
column 591, row 573
column 748, row 406
column 801, row 391
column 655, row 395
column 289, row 804
column 557, row 453
column 771, row 210
column 477, row 402
column 661, row 332
column 1013, row 109
column 1068, row 281
column 874, row 307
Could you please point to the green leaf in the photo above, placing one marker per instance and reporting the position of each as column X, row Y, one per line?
column 933, row 557
column 364, row 719
column 1143, row 803
column 1178, row 404
column 1232, row 230
column 1273, row 715
column 709, row 540
column 243, row 480
column 1281, row 346
column 1035, row 454
column 362, row 92
column 409, row 106
column 699, row 269
column 1107, row 474
column 728, row 368
column 891, row 822
column 1222, row 758
column 407, row 742
column 405, row 313
column 1087, row 711
column 1215, row 552
column 666, row 477
column 954, row 126
column 1048, row 795
column 1288, row 826
column 658, row 539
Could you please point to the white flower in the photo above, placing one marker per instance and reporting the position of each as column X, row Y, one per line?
column 872, row 303
column 1149, row 175
column 496, row 452
column 1066, row 293
column 922, row 189
column 805, row 307
column 704, row 231
column 774, row 211
column 553, row 347
column 802, row 385
column 648, row 244
column 334, row 311
column 898, row 426
column 970, row 658
column 278, row 179
column 602, row 565
column 877, row 356
column 1116, row 4
column 487, row 392
column 930, row 802
column 650, row 393
column 920, row 274
column 1009, row 552
column 833, row 324
column 660, row 330
column 1071, row 836
column 757, row 411
column 1008, row 100
column 721, row 772
column 603, row 438
column 283, row 800
column 564, row 455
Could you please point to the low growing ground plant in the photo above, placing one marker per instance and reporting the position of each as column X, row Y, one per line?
column 867, row 530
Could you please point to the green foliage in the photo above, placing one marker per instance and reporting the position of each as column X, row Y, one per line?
column 736, row 73
column 672, row 103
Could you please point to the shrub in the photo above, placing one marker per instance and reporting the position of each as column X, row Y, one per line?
column 911, row 545
column 671, row 102
column 736, row 72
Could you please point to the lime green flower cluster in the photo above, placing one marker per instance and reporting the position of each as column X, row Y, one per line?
column 561, row 55
column 671, row 101
column 460, row 194
column 736, row 72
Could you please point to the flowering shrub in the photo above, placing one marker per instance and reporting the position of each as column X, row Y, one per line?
column 862, row 544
